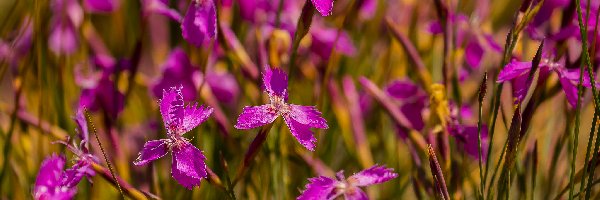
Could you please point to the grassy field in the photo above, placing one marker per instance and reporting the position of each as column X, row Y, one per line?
column 444, row 99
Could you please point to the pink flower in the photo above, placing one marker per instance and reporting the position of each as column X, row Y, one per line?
column 200, row 22
column 48, row 184
column 323, row 187
column 517, row 72
column 188, row 167
column 299, row 119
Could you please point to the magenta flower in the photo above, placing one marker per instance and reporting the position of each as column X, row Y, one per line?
column 14, row 49
column 68, row 15
column 476, row 43
column 83, row 157
column 223, row 85
column 323, row 40
column 100, row 93
column 200, row 22
column 323, row 187
column 177, row 70
column 49, row 182
column 412, row 100
column 249, row 7
column 100, row 6
column 466, row 135
column 323, row 6
column 517, row 72
column 299, row 119
column 188, row 167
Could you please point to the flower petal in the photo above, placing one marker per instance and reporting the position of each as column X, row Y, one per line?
column 374, row 175
column 319, row 188
column 171, row 107
column 48, row 182
column 50, row 171
column 199, row 23
column 325, row 38
column 100, row 6
column 301, row 132
column 73, row 175
column 177, row 70
column 63, row 39
column 188, row 166
column 153, row 149
column 82, row 129
column 473, row 54
column 194, row 115
column 414, row 109
column 323, row 6
column 223, row 85
column 355, row 193
column 467, row 137
column 513, row 70
column 403, row 89
column 308, row 115
column 275, row 82
column 255, row 116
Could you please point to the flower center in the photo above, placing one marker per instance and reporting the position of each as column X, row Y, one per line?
column 550, row 63
column 278, row 105
column 176, row 142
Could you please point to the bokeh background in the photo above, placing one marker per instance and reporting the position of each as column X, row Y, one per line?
column 116, row 60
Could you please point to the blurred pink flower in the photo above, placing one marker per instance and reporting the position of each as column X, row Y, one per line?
column 200, row 22
column 64, row 37
column 100, row 6
column 323, row 188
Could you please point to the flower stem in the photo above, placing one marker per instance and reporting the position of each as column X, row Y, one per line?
column 302, row 29
column 258, row 141
column 586, row 59
column 112, row 173
column 482, row 91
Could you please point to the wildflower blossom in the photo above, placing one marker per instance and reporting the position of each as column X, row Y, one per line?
column 323, row 6
column 248, row 7
column 15, row 49
column 179, row 69
column 100, row 6
column 467, row 135
column 299, row 119
column 413, row 100
column 99, row 91
column 477, row 43
column 188, row 167
column 68, row 16
column 83, row 157
column 324, row 39
column 323, row 187
column 200, row 22
column 49, row 182
column 517, row 72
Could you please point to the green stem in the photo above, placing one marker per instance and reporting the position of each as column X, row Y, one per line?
column 253, row 149
column 482, row 90
column 586, row 58
column 112, row 173
column 587, row 152
column 575, row 140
